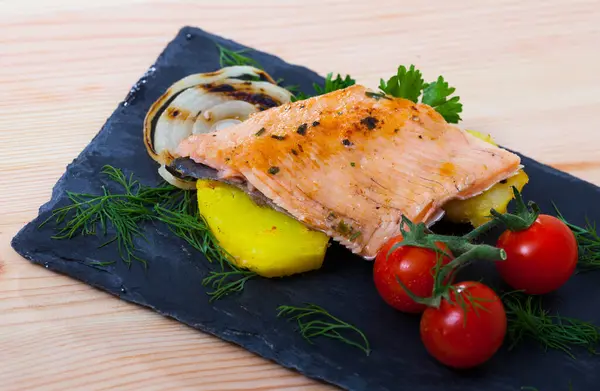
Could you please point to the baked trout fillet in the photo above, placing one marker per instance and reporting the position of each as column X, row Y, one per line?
column 350, row 163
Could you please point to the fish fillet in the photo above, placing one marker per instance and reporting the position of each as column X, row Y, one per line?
column 351, row 163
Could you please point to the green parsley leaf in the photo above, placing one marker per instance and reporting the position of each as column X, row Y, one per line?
column 407, row 84
column 330, row 85
column 435, row 95
column 334, row 84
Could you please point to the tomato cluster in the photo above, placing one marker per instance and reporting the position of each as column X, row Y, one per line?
column 467, row 324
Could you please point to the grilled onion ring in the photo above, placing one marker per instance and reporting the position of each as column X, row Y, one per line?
column 203, row 103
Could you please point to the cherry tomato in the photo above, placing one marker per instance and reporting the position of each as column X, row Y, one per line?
column 465, row 336
column 413, row 266
column 541, row 258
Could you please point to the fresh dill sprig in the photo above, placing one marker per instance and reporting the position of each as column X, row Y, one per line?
column 528, row 319
column 228, row 57
column 89, row 214
column 315, row 321
column 588, row 241
column 226, row 281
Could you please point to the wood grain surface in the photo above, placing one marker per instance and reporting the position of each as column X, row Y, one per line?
column 528, row 72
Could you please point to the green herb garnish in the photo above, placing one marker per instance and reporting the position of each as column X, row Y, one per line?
column 528, row 319
column 229, row 57
column 315, row 321
column 126, row 212
column 330, row 85
column 89, row 214
column 409, row 84
column 435, row 95
column 588, row 241
column 225, row 282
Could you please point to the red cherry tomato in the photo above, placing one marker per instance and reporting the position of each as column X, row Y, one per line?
column 541, row 258
column 465, row 336
column 413, row 266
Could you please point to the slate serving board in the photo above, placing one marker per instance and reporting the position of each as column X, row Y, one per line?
column 171, row 284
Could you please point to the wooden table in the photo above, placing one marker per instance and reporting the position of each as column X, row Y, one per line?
column 529, row 74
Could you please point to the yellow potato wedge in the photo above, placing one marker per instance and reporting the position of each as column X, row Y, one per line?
column 259, row 238
column 476, row 210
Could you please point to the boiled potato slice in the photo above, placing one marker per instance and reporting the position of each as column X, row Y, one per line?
column 476, row 210
column 259, row 238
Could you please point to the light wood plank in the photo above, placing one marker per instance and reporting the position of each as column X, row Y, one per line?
column 526, row 71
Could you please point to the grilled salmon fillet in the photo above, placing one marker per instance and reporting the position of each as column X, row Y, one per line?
column 350, row 163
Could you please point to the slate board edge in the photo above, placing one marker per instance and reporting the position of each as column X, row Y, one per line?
column 39, row 258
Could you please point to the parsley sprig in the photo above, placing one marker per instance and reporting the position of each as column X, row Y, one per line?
column 314, row 321
column 409, row 84
column 330, row 85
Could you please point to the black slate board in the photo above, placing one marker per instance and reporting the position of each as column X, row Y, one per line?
column 171, row 285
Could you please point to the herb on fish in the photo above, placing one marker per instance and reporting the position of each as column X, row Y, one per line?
column 353, row 164
column 588, row 241
column 314, row 321
column 276, row 137
column 316, row 123
column 302, row 129
column 355, row 236
column 347, row 142
column 260, row 132
column 376, row 95
column 528, row 319
column 409, row 84
column 229, row 57
column 435, row 95
column 294, row 152
column 273, row 170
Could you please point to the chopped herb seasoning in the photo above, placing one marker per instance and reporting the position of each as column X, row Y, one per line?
column 331, row 216
column 302, row 106
column 421, row 137
column 295, row 152
column 260, row 132
column 369, row 122
column 227, row 159
column 353, row 164
column 276, row 137
column 302, row 129
column 347, row 142
column 273, row 170
column 343, row 228
column 316, row 123
column 354, row 236
column 376, row 95
column 396, row 130
column 504, row 181
column 300, row 148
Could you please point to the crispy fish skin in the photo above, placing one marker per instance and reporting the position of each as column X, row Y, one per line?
column 351, row 164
